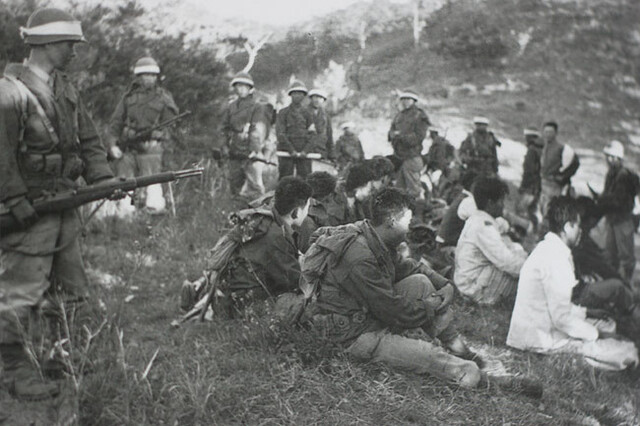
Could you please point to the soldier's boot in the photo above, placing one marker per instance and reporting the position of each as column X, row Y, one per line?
column 23, row 379
column 517, row 385
column 456, row 346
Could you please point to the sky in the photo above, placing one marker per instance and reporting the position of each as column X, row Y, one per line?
column 273, row 12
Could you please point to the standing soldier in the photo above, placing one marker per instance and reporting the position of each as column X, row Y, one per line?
column 144, row 105
column 478, row 151
column 322, row 141
column 530, row 185
column 616, row 202
column 441, row 152
column 408, row 130
column 558, row 162
column 47, row 141
column 294, row 128
column 348, row 147
column 246, row 124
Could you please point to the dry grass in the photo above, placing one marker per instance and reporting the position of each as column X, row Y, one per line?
column 252, row 371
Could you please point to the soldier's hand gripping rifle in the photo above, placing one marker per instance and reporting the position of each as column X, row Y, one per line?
column 145, row 135
column 70, row 199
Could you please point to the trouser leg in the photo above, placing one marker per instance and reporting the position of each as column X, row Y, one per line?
column 236, row 175
column 607, row 294
column 68, row 266
column 151, row 163
column 409, row 177
column 285, row 166
column 623, row 232
column 253, row 186
column 303, row 167
column 414, row 355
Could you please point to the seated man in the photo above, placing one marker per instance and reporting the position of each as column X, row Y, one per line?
column 452, row 224
column 600, row 287
column 370, row 298
column 544, row 319
column 383, row 170
column 358, row 188
column 327, row 208
column 486, row 263
column 258, row 258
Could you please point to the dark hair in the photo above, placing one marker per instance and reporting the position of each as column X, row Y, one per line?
column 561, row 210
column 486, row 189
column 322, row 184
column 551, row 124
column 389, row 202
column 468, row 178
column 588, row 211
column 381, row 166
column 291, row 192
column 358, row 175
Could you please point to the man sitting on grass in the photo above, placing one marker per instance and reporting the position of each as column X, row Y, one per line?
column 258, row 258
column 544, row 319
column 487, row 263
column 380, row 306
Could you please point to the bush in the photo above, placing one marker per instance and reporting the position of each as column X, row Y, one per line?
column 464, row 30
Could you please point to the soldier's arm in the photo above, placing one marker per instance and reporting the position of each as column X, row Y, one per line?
column 422, row 124
column 94, row 156
column 116, row 124
column 331, row 153
column 169, row 111
column 281, row 133
column 384, row 303
column 283, row 266
column 309, row 120
column 11, row 183
column 465, row 150
column 406, row 267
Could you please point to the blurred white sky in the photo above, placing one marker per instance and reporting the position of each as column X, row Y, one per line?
column 274, row 12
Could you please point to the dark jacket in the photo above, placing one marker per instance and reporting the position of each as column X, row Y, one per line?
column 348, row 149
column 479, row 152
column 359, row 282
column 332, row 210
column 22, row 168
column 451, row 225
column 531, row 179
column 322, row 140
column 292, row 129
column 238, row 121
column 270, row 258
column 412, row 123
column 440, row 155
column 617, row 200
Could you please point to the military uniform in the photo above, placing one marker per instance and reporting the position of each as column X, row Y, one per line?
column 408, row 130
column 478, row 152
column 441, row 154
column 375, row 304
column 322, row 140
column 267, row 265
column 348, row 150
column 558, row 163
column 238, row 124
column 292, row 128
column 140, row 109
column 332, row 210
column 31, row 165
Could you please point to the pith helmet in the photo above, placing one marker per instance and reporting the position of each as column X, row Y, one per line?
column 318, row 92
column 51, row 25
column 242, row 78
column 297, row 86
column 480, row 120
column 614, row 149
column 146, row 65
column 408, row 94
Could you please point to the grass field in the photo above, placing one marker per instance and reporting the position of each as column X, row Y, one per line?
column 253, row 371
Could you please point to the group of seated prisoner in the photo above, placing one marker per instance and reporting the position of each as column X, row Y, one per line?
column 377, row 271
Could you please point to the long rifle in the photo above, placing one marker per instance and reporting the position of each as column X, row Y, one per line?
column 145, row 135
column 70, row 199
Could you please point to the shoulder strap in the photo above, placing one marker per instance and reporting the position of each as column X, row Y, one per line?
column 26, row 94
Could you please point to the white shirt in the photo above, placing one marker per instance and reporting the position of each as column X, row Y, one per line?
column 544, row 319
column 481, row 250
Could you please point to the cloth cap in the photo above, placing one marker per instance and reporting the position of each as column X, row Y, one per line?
column 408, row 94
column 347, row 125
column 297, row 86
column 614, row 149
column 480, row 120
column 51, row 25
column 318, row 92
column 529, row 131
column 146, row 65
column 242, row 78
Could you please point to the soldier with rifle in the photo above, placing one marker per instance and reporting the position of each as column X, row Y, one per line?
column 47, row 141
column 138, row 149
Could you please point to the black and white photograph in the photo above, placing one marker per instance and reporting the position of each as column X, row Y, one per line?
column 346, row 212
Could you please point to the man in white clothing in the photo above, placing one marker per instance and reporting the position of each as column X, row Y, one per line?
column 544, row 320
column 487, row 263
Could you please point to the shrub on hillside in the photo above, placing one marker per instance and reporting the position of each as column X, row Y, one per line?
column 464, row 30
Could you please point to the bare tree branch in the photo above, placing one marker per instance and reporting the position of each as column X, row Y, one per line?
column 253, row 51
